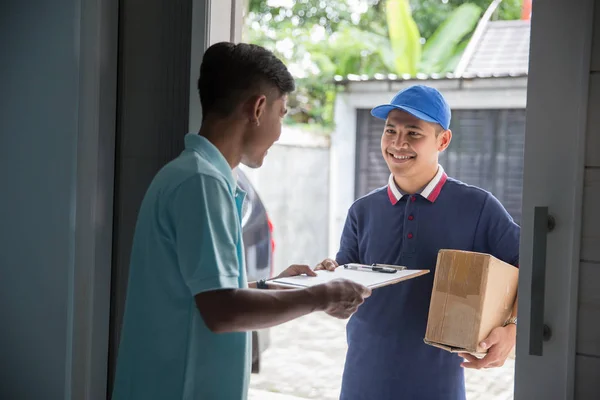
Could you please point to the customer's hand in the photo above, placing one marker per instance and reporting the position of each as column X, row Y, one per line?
column 327, row 264
column 341, row 297
column 296, row 269
column 499, row 344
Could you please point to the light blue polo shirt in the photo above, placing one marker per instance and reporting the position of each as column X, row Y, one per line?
column 188, row 240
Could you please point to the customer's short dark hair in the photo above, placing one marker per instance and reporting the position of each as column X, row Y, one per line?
column 232, row 72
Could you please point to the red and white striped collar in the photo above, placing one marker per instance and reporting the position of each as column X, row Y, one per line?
column 430, row 192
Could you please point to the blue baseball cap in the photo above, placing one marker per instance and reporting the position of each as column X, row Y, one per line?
column 423, row 102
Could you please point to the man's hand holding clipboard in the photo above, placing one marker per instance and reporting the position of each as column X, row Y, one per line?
column 371, row 276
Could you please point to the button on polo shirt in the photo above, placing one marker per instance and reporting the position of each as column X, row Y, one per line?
column 387, row 358
column 188, row 240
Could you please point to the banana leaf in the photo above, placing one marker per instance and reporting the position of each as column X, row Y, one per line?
column 345, row 48
column 451, row 64
column 405, row 38
column 444, row 43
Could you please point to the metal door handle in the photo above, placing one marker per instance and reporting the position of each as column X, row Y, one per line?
column 538, row 331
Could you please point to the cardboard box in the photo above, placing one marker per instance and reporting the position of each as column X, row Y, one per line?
column 473, row 293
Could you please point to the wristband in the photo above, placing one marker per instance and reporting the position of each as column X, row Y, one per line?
column 262, row 284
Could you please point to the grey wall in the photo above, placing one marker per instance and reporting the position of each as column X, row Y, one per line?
column 293, row 184
column 588, row 329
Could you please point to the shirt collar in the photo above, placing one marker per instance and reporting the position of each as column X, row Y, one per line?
column 207, row 150
column 431, row 191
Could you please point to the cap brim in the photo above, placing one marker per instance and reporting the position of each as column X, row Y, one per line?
column 382, row 112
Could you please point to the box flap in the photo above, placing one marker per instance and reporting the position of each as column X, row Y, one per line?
column 453, row 349
column 511, row 356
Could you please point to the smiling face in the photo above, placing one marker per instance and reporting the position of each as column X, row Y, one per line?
column 411, row 146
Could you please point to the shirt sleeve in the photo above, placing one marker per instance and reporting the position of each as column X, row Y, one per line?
column 348, row 252
column 206, row 233
column 499, row 231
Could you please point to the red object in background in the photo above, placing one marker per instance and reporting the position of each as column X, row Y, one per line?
column 272, row 245
column 526, row 10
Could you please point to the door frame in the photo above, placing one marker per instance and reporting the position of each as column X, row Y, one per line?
column 89, row 280
column 211, row 24
column 557, row 100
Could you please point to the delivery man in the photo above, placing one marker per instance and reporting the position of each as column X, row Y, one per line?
column 419, row 212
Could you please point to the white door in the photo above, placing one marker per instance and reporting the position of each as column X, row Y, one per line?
column 559, row 70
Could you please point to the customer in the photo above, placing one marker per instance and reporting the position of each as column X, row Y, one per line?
column 189, row 309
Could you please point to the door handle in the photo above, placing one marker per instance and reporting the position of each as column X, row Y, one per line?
column 538, row 331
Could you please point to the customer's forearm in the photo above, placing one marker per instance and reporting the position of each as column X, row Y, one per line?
column 250, row 309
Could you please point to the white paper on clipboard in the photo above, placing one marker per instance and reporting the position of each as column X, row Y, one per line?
column 370, row 279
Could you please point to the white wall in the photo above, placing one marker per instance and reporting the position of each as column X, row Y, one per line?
column 293, row 184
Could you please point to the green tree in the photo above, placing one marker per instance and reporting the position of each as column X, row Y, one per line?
column 319, row 39
column 404, row 36
column 443, row 49
column 306, row 13
column 429, row 14
column 317, row 44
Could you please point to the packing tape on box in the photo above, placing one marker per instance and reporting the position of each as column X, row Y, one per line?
column 463, row 279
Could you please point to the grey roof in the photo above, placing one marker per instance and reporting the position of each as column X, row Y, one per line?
column 498, row 49
column 501, row 48
column 350, row 78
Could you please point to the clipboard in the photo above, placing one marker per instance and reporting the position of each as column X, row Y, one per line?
column 364, row 275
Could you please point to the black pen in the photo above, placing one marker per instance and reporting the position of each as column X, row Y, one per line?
column 374, row 268
column 396, row 267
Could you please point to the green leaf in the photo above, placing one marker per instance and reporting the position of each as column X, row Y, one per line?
column 404, row 36
column 443, row 44
column 452, row 62
column 324, row 63
column 355, row 51
column 387, row 57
